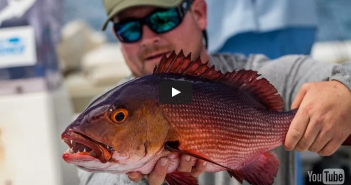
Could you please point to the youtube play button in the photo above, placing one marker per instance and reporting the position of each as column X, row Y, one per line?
column 175, row 92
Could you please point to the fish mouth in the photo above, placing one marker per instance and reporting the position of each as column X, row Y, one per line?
column 81, row 145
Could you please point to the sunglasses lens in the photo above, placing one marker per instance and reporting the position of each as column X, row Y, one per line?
column 164, row 21
column 128, row 32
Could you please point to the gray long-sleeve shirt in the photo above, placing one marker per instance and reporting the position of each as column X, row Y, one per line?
column 287, row 74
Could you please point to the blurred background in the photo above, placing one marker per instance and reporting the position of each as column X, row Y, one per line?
column 54, row 60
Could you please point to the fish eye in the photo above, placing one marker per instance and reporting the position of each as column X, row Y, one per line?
column 119, row 116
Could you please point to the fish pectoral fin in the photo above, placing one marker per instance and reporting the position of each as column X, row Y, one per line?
column 180, row 178
column 259, row 171
column 173, row 147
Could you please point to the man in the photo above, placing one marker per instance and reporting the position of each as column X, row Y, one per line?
column 147, row 32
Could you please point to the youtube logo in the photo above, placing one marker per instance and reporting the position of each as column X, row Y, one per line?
column 175, row 92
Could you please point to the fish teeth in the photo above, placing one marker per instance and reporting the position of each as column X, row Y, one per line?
column 71, row 142
column 85, row 150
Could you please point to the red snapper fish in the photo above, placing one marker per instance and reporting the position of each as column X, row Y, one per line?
column 233, row 121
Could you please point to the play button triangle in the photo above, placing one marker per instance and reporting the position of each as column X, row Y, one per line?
column 175, row 92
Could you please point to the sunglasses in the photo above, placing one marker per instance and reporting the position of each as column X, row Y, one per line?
column 159, row 21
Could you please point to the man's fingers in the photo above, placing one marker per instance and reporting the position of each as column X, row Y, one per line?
column 309, row 136
column 317, row 145
column 321, row 141
column 333, row 145
column 185, row 164
column 299, row 97
column 297, row 129
column 134, row 176
column 330, row 147
column 158, row 175
column 199, row 168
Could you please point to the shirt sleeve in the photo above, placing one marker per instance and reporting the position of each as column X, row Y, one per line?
column 86, row 178
column 289, row 73
column 342, row 74
column 228, row 62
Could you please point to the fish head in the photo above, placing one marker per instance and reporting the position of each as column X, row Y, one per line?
column 119, row 132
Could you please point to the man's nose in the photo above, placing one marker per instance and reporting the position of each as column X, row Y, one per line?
column 149, row 37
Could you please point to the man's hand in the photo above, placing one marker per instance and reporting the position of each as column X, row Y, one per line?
column 158, row 175
column 323, row 120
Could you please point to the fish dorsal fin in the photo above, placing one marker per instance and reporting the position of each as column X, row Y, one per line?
column 245, row 80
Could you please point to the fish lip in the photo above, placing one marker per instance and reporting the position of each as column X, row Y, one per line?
column 155, row 54
column 96, row 146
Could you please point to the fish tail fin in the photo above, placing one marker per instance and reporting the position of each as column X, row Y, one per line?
column 259, row 171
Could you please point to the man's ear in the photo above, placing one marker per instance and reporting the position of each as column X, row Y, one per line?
column 199, row 9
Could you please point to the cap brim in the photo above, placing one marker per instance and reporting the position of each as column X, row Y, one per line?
column 133, row 3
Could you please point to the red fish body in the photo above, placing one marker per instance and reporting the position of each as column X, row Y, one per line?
column 226, row 125
column 233, row 120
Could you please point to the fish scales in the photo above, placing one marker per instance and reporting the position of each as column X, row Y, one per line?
column 232, row 125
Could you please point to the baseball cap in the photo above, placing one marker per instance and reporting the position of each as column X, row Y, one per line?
column 113, row 7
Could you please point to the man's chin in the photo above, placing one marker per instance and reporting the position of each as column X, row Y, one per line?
column 150, row 65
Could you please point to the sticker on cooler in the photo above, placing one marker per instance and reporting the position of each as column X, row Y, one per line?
column 17, row 47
